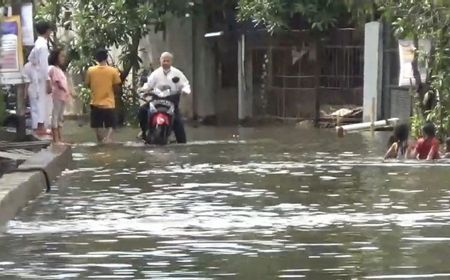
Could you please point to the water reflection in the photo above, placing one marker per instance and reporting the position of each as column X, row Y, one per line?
column 249, row 209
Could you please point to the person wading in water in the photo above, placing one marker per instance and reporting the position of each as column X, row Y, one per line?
column 104, row 82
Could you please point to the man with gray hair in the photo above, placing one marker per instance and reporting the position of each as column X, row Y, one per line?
column 167, row 76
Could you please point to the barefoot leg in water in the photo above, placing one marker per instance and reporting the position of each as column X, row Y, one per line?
column 108, row 138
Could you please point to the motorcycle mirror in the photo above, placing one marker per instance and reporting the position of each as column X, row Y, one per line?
column 175, row 79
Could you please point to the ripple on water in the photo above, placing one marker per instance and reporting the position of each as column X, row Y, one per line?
column 328, row 178
column 411, row 276
column 175, row 215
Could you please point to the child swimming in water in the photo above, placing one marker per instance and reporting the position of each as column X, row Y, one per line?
column 427, row 148
column 398, row 143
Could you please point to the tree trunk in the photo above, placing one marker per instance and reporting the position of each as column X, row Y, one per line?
column 132, row 63
column 134, row 57
column 420, row 88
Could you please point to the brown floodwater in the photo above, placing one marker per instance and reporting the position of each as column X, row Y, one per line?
column 236, row 203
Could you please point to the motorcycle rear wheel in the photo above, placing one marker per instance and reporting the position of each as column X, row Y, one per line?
column 158, row 136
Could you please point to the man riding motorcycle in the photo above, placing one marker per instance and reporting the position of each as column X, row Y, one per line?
column 166, row 76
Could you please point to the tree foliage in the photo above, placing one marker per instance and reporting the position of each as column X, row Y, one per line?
column 427, row 19
column 320, row 15
column 107, row 24
column 117, row 24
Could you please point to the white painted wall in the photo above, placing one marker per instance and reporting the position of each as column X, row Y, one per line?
column 205, row 71
column 178, row 42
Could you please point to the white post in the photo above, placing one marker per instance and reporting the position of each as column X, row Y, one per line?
column 249, row 82
column 373, row 78
column 242, row 104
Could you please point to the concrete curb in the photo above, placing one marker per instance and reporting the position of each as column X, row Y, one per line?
column 17, row 189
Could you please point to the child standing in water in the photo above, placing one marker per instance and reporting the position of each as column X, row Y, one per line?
column 398, row 143
column 427, row 148
column 60, row 92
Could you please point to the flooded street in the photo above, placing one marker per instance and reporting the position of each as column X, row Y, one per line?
column 266, row 203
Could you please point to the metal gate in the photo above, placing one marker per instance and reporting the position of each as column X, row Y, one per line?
column 298, row 78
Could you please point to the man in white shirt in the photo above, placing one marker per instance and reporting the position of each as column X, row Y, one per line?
column 167, row 76
column 40, row 54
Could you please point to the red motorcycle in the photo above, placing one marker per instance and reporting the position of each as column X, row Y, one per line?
column 161, row 115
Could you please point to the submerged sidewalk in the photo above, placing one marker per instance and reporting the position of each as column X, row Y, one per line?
column 30, row 179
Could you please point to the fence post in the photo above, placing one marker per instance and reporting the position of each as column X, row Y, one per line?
column 242, row 91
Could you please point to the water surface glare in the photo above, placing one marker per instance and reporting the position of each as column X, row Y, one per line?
column 304, row 205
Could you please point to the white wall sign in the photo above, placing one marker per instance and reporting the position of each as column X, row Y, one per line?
column 406, row 51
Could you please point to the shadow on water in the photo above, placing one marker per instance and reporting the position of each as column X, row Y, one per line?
column 261, row 203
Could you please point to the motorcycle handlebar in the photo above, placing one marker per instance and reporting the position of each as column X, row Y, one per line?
column 153, row 92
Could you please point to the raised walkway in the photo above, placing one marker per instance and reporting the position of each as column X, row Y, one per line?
column 30, row 179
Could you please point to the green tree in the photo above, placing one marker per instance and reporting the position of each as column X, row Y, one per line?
column 53, row 12
column 321, row 15
column 106, row 24
column 427, row 19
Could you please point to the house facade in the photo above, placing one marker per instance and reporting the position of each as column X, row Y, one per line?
column 244, row 73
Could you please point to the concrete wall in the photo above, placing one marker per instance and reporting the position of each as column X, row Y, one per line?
column 178, row 39
column 227, row 106
column 401, row 105
column 206, row 77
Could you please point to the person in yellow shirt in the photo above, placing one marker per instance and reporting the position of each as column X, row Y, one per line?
column 104, row 82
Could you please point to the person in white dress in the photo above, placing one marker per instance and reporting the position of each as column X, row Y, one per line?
column 30, row 71
column 40, row 53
